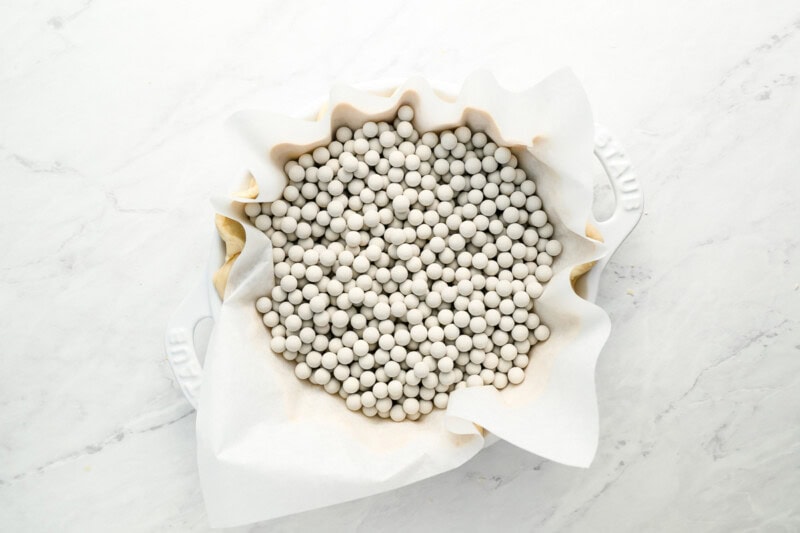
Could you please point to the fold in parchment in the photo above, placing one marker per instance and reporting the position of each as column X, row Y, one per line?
column 232, row 234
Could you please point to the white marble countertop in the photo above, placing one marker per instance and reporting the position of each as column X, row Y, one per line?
column 107, row 111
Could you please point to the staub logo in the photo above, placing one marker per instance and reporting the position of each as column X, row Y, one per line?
column 180, row 352
column 618, row 168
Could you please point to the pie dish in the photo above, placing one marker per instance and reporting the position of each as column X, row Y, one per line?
column 555, row 417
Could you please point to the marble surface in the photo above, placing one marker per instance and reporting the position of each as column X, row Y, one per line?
column 108, row 112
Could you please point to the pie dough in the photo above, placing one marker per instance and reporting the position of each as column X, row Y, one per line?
column 580, row 270
column 232, row 233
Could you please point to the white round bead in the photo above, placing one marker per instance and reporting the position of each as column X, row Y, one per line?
column 516, row 375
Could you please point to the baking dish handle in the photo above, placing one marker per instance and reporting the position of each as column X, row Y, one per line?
column 628, row 199
column 179, row 343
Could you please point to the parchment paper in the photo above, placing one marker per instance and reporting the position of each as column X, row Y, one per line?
column 270, row 445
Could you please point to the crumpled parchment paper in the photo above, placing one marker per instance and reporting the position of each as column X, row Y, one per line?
column 270, row 445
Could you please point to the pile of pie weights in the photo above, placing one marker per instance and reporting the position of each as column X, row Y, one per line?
column 407, row 266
